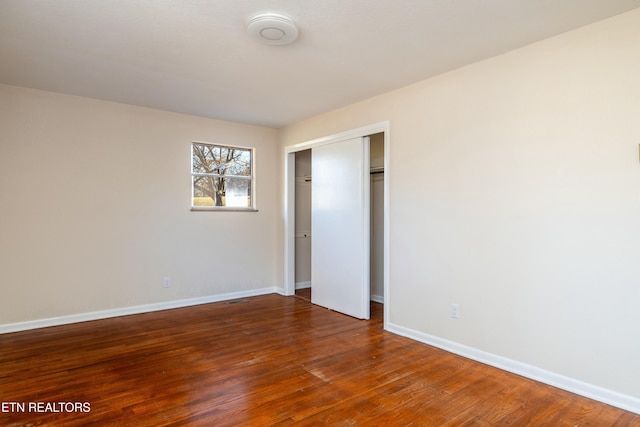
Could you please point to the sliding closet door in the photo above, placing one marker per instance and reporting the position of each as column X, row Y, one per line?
column 340, row 226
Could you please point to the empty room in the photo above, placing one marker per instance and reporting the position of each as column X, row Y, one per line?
column 286, row 212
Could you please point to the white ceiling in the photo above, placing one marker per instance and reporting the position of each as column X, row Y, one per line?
column 195, row 56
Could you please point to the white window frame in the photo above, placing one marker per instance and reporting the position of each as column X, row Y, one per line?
column 251, row 178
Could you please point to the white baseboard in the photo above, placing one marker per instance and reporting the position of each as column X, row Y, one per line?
column 377, row 298
column 125, row 311
column 303, row 285
column 626, row 402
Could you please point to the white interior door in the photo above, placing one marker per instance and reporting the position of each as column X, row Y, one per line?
column 340, row 226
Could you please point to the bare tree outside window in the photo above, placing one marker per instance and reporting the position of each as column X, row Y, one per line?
column 222, row 176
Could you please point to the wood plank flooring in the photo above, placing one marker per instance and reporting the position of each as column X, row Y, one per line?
column 268, row 360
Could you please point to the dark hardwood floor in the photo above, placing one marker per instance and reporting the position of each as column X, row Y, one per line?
column 261, row 361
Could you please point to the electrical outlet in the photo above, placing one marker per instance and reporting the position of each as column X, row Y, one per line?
column 166, row 282
column 455, row 311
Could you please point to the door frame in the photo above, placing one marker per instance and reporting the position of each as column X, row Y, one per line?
column 289, row 202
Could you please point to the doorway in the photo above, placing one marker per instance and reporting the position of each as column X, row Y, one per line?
column 298, row 236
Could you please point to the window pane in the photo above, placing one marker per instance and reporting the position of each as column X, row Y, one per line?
column 223, row 192
column 221, row 160
column 238, row 193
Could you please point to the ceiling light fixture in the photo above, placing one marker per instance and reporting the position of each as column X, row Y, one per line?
column 273, row 29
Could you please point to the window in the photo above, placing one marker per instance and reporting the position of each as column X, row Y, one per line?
column 222, row 177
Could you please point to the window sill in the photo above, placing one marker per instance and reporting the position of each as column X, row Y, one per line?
column 212, row 209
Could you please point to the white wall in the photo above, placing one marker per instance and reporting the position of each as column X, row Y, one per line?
column 515, row 192
column 95, row 202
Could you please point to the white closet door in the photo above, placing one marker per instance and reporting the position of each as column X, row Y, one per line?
column 340, row 226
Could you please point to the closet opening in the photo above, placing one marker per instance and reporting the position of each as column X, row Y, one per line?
column 303, row 222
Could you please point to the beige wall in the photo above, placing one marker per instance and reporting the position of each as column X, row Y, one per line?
column 96, row 208
column 515, row 192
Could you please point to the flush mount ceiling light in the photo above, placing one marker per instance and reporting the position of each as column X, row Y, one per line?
column 272, row 28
